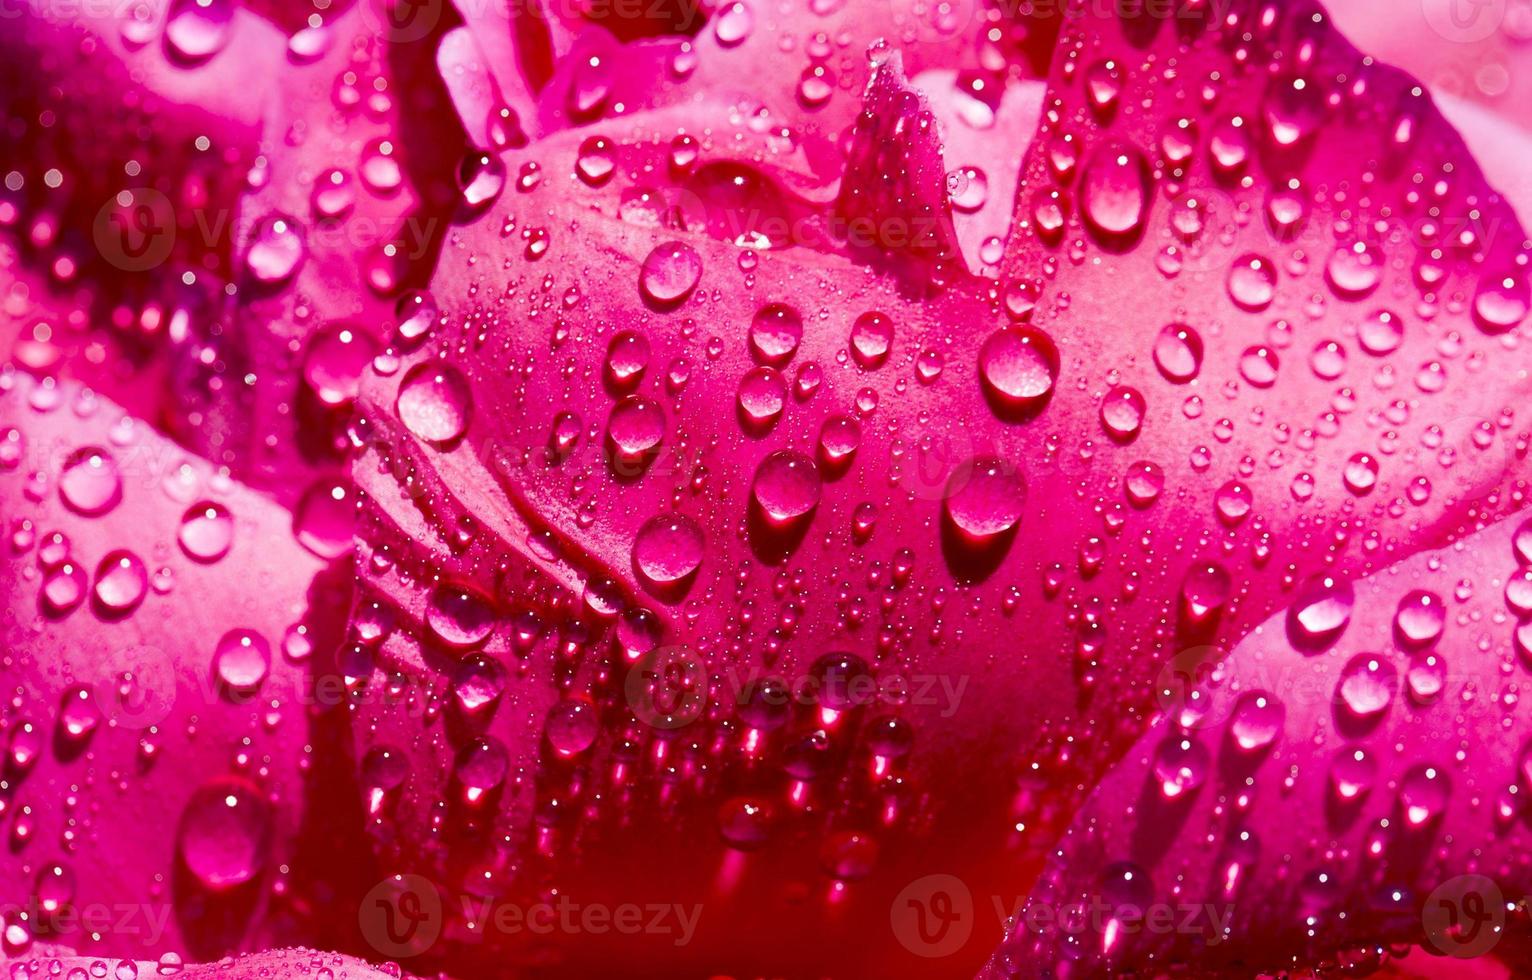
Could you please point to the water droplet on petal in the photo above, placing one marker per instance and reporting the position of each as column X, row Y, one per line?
column 1380, row 332
column 90, row 482
column 336, row 360
column 984, row 499
column 241, row 660
column 1204, row 591
column 571, row 727
column 121, row 582
column 1419, row 620
column 1355, row 271
column 1115, row 192
column 733, row 24
column 63, row 589
column 1258, row 365
column 1501, row 302
column 434, row 402
column 1367, row 685
column 325, row 518
column 1252, row 282
column 480, row 181
column 1361, row 474
column 1019, row 366
column 635, row 430
column 1122, row 413
column 224, row 834
column 871, row 337
column 195, row 30
column 786, row 486
column 459, row 616
column 1256, row 721
column 1320, row 612
column 670, row 273
column 1180, row 766
column 1143, row 483
column 775, row 332
column 667, row 550
column 1178, row 353
column 275, row 250
column 1423, row 794
column 207, row 531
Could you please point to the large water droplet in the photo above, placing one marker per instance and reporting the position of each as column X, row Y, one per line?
column 1256, row 720
column 670, row 273
column 635, row 430
column 1252, row 282
column 1501, row 302
column 1178, row 353
column 1115, row 192
column 435, row 403
column 984, row 499
column 241, row 660
column 871, row 337
column 90, row 482
column 121, row 582
column 459, row 616
column 1320, row 612
column 786, row 486
column 1122, row 413
column 1367, row 685
column 775, row 332
column 1419, row 620
column 667, row 551
column 195, row 30
column 1019, row 365
column 336, row 360
column 1423, row 794
column 275, row 250
column 224, row 834
column 207, row 531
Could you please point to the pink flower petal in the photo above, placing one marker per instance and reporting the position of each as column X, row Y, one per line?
column 1021, row 499
column 158, row 619
column 1292, row 805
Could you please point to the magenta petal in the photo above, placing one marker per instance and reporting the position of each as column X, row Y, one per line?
column 294, row 963
column 1300, row 805
column 1019, row 500
column 158, row 619
column 346, row 211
